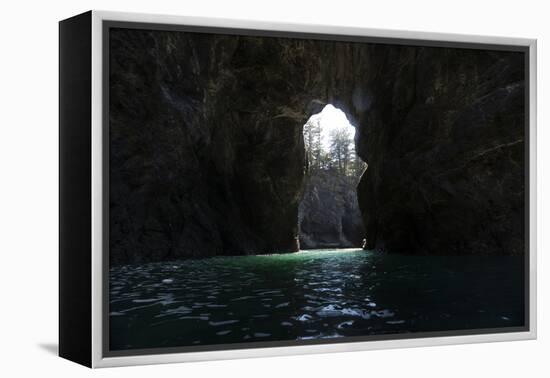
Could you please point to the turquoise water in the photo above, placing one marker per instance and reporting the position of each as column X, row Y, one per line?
column 310, row 295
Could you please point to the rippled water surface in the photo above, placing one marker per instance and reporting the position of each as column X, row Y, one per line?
column 310, row 295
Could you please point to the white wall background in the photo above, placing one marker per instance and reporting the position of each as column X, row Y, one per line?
column 29, row 174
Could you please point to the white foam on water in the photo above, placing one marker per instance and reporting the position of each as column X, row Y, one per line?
column 330, row 310
column 345, row 324
column 327, row 289
column 304, row 318
column 355, row 312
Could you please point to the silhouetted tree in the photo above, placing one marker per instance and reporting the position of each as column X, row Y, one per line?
column 341, row 149
column 339, row 156
column 312, row 139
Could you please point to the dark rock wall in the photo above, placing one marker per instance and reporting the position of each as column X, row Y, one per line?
column 204, row 158
column 445, row 146
column 207, row 155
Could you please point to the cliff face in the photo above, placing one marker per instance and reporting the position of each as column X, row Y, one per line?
column 204, row 160
column 445, row 147
column 329, row 215
column 207, row 155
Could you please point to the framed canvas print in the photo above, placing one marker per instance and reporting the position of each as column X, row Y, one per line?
column 237, row 188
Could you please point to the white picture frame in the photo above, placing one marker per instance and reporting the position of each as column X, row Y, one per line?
column 97, row 264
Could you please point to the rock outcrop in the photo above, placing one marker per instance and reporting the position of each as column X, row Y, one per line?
column 204, row 158
column 329, row 215
column 444, row 139
column 207, row 155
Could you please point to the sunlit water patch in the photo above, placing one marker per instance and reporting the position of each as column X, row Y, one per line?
column 310, row 295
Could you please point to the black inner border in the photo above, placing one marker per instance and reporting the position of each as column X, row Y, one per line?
column 111, row 24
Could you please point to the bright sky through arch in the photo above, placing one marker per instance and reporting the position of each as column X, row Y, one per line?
column 332, row 118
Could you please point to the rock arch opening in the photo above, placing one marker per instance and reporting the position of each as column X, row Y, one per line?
column 329, row 214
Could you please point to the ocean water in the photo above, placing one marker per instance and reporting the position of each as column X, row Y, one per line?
column 312, row 294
